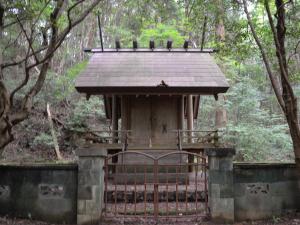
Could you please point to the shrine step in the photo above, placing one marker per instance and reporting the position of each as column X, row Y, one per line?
column 144, row 168
column 136, row 167
column 139, row 163
column 163, row 196
column 149, row 178
column 137, row 158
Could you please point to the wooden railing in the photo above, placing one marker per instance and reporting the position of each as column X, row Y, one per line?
column 108, row 136
column 182, row 137
column 196, row 136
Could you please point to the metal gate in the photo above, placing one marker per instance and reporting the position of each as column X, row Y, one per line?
column 173, row 185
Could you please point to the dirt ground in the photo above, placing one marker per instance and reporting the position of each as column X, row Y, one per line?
column 292, row 219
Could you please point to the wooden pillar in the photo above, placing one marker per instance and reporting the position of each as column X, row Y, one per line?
column 190, row 116
column 124, row 115
column 181, row 113
column 114, row 118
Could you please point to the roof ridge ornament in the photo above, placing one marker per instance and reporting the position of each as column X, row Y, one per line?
column 169, row 44
column 162, row 84
column 151, row 44
column 148, row 50
column 186, row 45
column 118, row 44
column 134, row 44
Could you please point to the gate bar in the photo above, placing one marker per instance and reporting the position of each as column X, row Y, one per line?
column 105, row 180
column 155, row 189
column 167, row 168
column 145, row 192
column 125, row 209
column 182, row 185
column 196, row 186
column 176, row 190
column 135, row 190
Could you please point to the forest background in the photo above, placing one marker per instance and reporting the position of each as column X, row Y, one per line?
column 255, row 123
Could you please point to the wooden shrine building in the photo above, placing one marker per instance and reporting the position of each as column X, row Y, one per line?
column 152, row 96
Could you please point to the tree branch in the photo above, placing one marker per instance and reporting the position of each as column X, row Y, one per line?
column 265, row 59
column 15, row 63
column 13, row 22
column 25, row 81
column 61, row 37
column 39, row 15
column 55, row 41
column 29, row 39
column 1, row 16
column 281, row 59
column 203, row 32
column 295, row 51
column 191, row 8
column 10, row 42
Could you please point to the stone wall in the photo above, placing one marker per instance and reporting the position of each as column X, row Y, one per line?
column 265, row 190
column 250, row 191
column 45, row 192
column 72, row 194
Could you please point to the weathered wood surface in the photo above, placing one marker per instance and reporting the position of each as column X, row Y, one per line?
column 152, row 119
column 115, row 72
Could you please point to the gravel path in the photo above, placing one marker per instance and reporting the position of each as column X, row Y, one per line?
column 292, row 219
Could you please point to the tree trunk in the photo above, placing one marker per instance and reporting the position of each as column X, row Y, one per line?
column 294, row 130
column 220, row 113
column 221, row 116
column 54, row 137
column 291, row 110
column 10, row 115
column 1, row 29
column 219, row 18
column 5, row 137
column 5, row 127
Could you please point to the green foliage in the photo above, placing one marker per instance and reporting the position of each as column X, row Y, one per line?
column 255, row 142
column 43, row 139
column 86, row 113
column 161, row 33
column 60, row 87
column 256, row 126
column 124, row 35
column 258, row 133
column 276, row 219
column 64, row 85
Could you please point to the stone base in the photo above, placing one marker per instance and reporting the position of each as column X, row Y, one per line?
column 221, row 189
column 90, row 186
column 222, row 210
column 88, row 219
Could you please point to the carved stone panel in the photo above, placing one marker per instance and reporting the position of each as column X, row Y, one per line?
column 51, row 191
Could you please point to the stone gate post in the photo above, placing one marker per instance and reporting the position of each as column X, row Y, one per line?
column 90, row 185
column 220, row 184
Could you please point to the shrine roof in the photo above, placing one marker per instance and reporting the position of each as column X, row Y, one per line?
column 151, row 72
